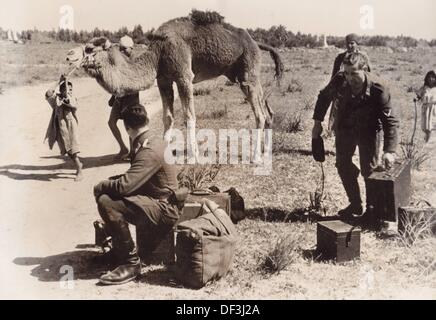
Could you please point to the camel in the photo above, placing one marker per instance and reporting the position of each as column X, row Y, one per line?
column 186, row 50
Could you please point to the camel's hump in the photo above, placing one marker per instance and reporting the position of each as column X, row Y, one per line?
column 185, row 26
column 205, row 17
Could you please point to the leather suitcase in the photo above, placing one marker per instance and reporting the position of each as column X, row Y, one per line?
column 221, row 199
column 338, row 241
column 389, row 190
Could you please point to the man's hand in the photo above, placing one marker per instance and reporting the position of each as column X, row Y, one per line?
column 388, row 159
column 317, row 129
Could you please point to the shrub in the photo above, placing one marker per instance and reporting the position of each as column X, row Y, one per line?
column 294, row 86
column 282, row 254
column 197, row 176
column 414, row 228
column 288, row 123
column 417, row 155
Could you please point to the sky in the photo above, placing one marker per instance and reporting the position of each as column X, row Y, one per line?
column 332, row 17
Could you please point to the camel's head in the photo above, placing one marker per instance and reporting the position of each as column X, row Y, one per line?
column 92, row 56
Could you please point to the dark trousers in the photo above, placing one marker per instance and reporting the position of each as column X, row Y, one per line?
column 117, row 213
column 346, row 143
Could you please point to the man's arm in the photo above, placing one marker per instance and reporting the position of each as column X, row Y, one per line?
column 389, row 121
column 112, row 101
column 337, row 64
column 70, row 102
column 325, row 97
column 145, row 165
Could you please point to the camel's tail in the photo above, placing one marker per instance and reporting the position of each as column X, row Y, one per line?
column 277, row 60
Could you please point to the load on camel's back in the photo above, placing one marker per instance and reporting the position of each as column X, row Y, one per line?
column 185, row 50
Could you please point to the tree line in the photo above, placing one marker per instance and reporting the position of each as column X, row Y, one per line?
column 276, row 36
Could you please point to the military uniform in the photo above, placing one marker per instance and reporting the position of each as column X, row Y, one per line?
column 358, row 119
column 338, row 66
column 139, row 197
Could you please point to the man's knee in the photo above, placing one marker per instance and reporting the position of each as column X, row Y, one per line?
column 347, row 169
column 103, row 204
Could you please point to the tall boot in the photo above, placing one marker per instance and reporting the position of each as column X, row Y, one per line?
column 125, row 272
column 125, row 250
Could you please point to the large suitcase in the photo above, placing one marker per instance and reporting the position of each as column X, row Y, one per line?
column 389, row 190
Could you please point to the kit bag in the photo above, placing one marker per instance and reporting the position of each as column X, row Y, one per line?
column 205, row 246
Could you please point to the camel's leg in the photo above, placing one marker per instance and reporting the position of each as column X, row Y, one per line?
column 167, row 96
column 254, row 94
column 186, row 94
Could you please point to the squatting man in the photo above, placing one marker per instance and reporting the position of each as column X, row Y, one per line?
column 142, row 196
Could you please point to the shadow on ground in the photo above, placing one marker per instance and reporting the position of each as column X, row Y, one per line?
column 88, row 162
column 302, row 152
column 54, row 268
column 271, row 214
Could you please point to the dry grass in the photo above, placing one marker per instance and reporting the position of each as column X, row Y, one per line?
column 414, row 229
column 294, row 86
column 295, row 176
column 32, row 63
column 202, row 91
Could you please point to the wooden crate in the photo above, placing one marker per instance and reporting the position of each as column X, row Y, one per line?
column 338, row 241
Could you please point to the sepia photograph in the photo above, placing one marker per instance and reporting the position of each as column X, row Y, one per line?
column 205, row 150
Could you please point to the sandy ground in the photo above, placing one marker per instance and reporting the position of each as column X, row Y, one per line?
column 46, row 221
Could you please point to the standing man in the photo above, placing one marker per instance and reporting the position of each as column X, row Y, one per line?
column 352, row 45
column 119, row 103
column 363, row 102
column 143, row 196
